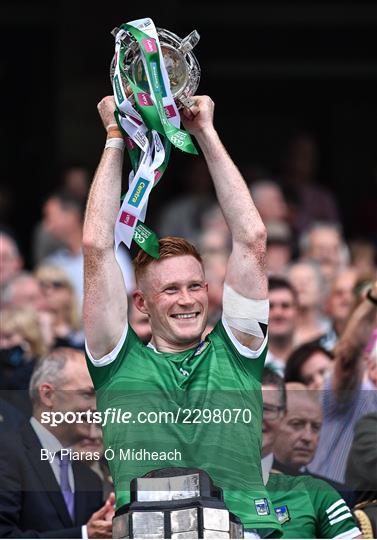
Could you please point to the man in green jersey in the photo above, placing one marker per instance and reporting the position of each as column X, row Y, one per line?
column 191, row 402
column 306, row 507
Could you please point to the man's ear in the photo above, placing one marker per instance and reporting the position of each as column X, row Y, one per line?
column 46, row 394
column 140, row 302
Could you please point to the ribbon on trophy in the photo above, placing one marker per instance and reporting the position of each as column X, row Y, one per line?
column 150, row 127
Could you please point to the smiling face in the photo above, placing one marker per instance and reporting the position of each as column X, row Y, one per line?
column 174, row 294
column 283, row 314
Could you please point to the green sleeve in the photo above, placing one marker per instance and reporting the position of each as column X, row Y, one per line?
column 104, row 373
column 333, row 516
column 251, row 361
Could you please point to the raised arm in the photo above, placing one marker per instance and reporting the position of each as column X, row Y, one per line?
column 246, row 270
column 105, row 295
column 348, row 370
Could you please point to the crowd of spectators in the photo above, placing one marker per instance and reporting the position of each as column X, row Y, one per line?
column 322, row 335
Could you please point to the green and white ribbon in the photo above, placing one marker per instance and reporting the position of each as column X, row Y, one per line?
column 150, row 127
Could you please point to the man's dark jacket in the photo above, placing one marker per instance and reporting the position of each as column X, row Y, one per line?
column 31, row 503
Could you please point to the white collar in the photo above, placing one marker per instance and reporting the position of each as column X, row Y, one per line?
column 151, row 346
column 267, row 462
column 46, row 438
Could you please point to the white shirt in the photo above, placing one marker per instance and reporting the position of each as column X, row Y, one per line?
column 267, row 462
column 52, row 444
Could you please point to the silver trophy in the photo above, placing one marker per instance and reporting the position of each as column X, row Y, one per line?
column 177, row 503
column 181, row 64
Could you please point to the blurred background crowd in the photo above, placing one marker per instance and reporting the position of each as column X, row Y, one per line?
column 321, row 263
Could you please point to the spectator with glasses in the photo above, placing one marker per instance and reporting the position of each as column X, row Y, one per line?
column 61, row 303
column 306, row 506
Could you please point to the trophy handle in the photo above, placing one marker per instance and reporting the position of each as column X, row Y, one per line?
column 189, row 42
column 186, row 101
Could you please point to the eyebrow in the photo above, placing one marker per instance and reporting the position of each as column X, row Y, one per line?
column 179, row 283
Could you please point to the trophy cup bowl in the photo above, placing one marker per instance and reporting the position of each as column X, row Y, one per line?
column 181, row 64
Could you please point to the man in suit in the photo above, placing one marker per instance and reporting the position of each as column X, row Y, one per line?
column 61, row 499
column 291, row 424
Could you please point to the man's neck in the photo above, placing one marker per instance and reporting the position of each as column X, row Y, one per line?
column 339, row 326
column 281, row 346
column 285, row 468
column 164, row 346
column 308, row 317
column 74, row 242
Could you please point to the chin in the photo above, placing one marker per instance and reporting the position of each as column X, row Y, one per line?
column 301, row 462
column 189, row 337
column 189, row 333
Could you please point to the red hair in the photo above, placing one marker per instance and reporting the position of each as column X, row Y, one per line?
column 170, row 246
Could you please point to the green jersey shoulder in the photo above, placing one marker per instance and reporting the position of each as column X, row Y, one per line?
column 308, row 507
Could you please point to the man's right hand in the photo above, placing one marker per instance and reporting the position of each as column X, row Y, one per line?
column 98, row 526
column 106, row 109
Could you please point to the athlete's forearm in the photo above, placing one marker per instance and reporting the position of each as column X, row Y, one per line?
column 232, row 192
column 103, row 202
column 348, row 358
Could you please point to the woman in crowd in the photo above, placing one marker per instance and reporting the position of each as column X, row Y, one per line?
column 309, row 364
column 61, row 302
column 21, row 345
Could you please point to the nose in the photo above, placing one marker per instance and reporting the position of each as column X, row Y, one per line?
column 318, row 381
column 307, row 434
column 185, row 297
column 94, row 432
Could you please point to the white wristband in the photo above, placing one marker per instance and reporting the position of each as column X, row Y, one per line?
column 115, row 142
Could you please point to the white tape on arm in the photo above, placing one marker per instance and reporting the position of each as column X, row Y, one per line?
column 115, row 142
column 244, row 314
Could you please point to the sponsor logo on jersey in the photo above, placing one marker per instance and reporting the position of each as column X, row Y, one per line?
column 149, row 45
column 144, row 99
column 127, row 219
column 138, row 192
column 282, row 513
column 261, row 506
column 170, row 112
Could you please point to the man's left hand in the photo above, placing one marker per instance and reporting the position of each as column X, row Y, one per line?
column 198, row 118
